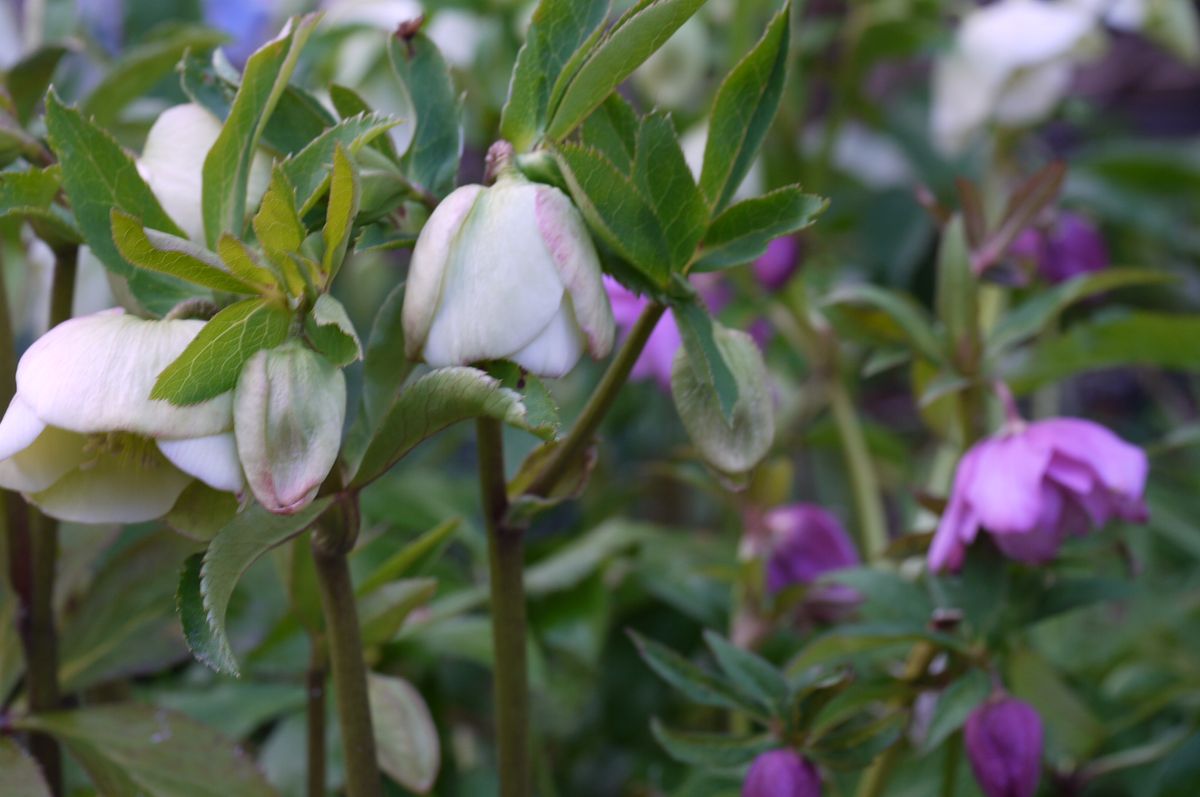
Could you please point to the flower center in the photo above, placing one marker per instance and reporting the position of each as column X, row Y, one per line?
column 128, row 450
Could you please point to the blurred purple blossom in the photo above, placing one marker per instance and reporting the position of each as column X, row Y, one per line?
column 249, row 23
column 781, row 773
column 778, row 263
column 1072, row 246
column 1004, row 739
column 1034, row 484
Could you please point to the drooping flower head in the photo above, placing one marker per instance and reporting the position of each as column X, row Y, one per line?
column 1004, row 740
column 506, row 272
column 82, row 439
column 1071, row 247
column 1034, row 484
column 807, row 541
column 781, row 773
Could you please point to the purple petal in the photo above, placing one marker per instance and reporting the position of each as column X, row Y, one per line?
column 1004, row 740
column 1006, row 488
column 781, row 773
column 1121, row 467
column 807, row 541
column 1041, row 544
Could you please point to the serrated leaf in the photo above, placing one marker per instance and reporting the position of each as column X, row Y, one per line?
column 344, row 194
column 99, row 176
column 171, row 255
column 435, row 401
column 612, row 129
column 29, row 195
column 212, row 362
column 349, row 104
column 408, row 749
column 277, row 224
column 227, row 166
column 309, row 169
column 558, row 30
column 20, row 775
column 141, row 66
column 431, row 161
column 662, row 176
column 332, row 333
column 541, row 409
column 696, row 329
column 692, row 682
column 617, row 211
column 243, row 263
column 753, row 674
column 711, row 750
column 742, row 112
column 28, row 79
column 629, row 42
column 207, row 582
column 742, row 232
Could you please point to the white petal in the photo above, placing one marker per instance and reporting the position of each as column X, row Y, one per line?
column 963, row 94
column 114, row 489
column 427, row 269
column 213, row 460
column 501, row 286
column 1019, row 33
column 19, row 428
column 95, row 374
column 54, row 453
column 555, row 351
column 1032, row 94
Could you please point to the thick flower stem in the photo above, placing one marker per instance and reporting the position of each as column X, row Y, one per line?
column 346, row 659
column 506, row 554
column 598, row 405
column 314, row 684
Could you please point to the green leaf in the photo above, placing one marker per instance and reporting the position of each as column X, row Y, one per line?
column 558, row 30
column 541, row 409
column 28, row 79
column 169, row 254
column 244, row 263
column 711, row 750
column 385, row 367
column 132, row 749
column 743, row 230
column 332, row 333
column 623, row 47
column 309, row 169
column 617, row 211
column 662, row 175
column 212, row 362
column 691, row 681
column 384, row 610
column 754, row 675
column 435, row 401
column 1045, row 307
column 696, row 328
column 742, row 112
column 142, row 66
column 910, row 322
column 29, row 195
column 1072, row 728
column 612, row 129
column 20, row 775
column 344, row 194
column 957, row 295
column 98, row 177
column 277, row 224
column 1112, row 340
column 432, row 159
column 412, row 557
column 349, row 104
column 207, row 583
column 851, row 640
column 954, row 705
column 408, row 749
column 227, row 165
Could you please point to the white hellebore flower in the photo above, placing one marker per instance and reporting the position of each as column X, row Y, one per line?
column 506, row 272
column 289, row 407
column 83, row 440
column 1011, row 64
column 172, row 164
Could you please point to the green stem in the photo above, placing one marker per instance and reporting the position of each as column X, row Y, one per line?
column 954, row 749
column 598, row 405
column 330, row 548
column 506, row 557
column 868, row 502
column 315, row 680
column 879, row 773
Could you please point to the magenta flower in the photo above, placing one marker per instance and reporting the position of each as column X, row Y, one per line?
column 807, row 542
column 1073, row 246
column 1034, row 484
column 782, row 773
column 1004, row 740
column 778, row 263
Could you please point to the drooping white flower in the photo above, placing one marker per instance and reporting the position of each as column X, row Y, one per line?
column 506, row 272
column 84, row 442
column 1011, row 64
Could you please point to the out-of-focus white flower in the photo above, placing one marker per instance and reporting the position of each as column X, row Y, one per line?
column 458, row 35
column 83, row 440
column 673, row 77
column 289, row 407
column 506, row 272
column 172, row 164
column 1011, row 64
column 873, row 159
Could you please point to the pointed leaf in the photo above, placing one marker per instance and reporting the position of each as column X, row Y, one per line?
column 432, row 159
column 711, row 750
column 309, row 169
column 691, row 681
column 408, row 749
column 344, row 194
column 332, row 333
column 750, row 672
column 662, row 175
column 172, row 255
column 743, row 230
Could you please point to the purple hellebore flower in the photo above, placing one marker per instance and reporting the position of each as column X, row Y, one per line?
column 1035, row 483
column 782, row 773
column 1004, row 744
column 778, row 263
column 1073, row 246
column 807, row 542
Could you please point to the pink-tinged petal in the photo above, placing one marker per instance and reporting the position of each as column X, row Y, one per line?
column 213, row 460
column 1070, row 473
column 1005, row 490
column 1040, row 544
column 19, row 428
column 959, row 524
column 806, row 542
column 1120, row 466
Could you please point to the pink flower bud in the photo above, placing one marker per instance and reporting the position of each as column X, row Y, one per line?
column 782, row 773
column 807, row 542
column 1073, row 246
column 778, row 263
column 1004, row 741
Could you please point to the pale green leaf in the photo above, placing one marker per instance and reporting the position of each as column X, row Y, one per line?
column 20, row 775
column 332, row 333
column 407, row 745
column 171, row 255
column 344, row 195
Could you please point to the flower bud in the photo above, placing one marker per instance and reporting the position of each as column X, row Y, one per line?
column 806, row 542
column 288, row 410
column 781, row 773
column 1073, row 246
column 506, row 272
column 1004, row 743
column 778, row 263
